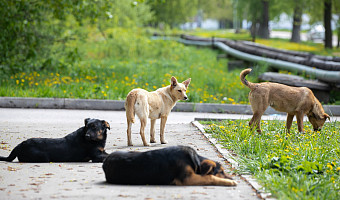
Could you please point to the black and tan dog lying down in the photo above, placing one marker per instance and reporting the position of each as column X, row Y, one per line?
column 178, row 165
column 85, row 144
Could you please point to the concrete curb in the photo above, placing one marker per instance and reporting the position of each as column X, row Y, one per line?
column 96, row 104
column 233, row 161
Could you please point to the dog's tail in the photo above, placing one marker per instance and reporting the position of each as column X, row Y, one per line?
column 243, row 75
column 12, row 155
column 130, row 106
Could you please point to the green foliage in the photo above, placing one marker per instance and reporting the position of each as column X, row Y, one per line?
column 23, row 36
column 217, row 9
column 173, row 12
column 290, row 166
column 32, row 29
column 128, row 58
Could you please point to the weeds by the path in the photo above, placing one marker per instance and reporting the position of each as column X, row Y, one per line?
column 291, row 166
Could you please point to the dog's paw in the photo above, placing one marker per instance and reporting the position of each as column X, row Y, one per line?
column 164, row 142
column 153, row 141
column 130, row 144
column 233, row 183
column 147, row 144
column 230, row 183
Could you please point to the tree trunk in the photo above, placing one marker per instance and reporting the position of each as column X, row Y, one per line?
column 338, row 45
column 253, row 30
column 264, row 28
column 327, row 23
column 338, row 31
column 297, row 19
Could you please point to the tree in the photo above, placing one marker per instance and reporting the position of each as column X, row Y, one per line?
column 218, row 9
column 337, row 11
column 30, row 28
column 173, row 12
column 259, row 12
column 297, row 19
column 327, row 23
column 264, row 20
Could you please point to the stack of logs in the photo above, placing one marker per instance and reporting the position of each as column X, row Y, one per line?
column 321, row 62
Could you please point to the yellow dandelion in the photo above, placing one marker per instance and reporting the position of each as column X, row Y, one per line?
column 329, row 166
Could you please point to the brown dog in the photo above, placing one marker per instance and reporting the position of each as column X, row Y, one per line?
column 298, row 101
column 153, row 105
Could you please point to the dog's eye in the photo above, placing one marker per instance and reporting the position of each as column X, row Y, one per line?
column 179, row 90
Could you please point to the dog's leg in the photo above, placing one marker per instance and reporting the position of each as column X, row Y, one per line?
column 129, row 123
column 299, row 119
column 163, row 121
column 255, row 122
column 259, row 104
column 196, row 179
column 289, row 122
column 152, row 131
column 142, row 131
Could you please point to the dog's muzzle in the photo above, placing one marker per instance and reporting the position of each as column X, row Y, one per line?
column 185, row 98
column 87, row 136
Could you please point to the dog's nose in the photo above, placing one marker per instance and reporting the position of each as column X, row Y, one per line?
column 87, row 136
column 185, row 98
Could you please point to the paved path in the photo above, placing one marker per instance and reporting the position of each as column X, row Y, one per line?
column 303, row 36
column 86, row 180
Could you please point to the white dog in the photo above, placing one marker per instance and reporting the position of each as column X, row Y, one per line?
column 153, row 105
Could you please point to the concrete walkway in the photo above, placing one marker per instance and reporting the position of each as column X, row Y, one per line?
column 86, row 180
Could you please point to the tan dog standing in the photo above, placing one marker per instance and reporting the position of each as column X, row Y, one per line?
column 153, row 105
column 298, row 101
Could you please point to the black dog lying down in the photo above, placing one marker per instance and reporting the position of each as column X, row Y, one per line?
column 85, row 144
column 178, row 165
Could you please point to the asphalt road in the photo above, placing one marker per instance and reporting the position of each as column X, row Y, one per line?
column 303, row 36
column 86, row 180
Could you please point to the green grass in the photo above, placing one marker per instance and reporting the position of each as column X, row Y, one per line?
column 127, row 59
column 95, row 67
column 290, row 166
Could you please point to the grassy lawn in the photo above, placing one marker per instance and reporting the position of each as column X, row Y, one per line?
column 290, row 166
column 110, row 68
column 97, row 67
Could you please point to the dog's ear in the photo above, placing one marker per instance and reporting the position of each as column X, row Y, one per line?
column 106, row 124
column 207, row 166
column 86, row 121
column 187, row 82
column 325, row 115
column 173, row 81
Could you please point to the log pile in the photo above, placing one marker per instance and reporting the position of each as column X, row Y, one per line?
column 316, row 61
